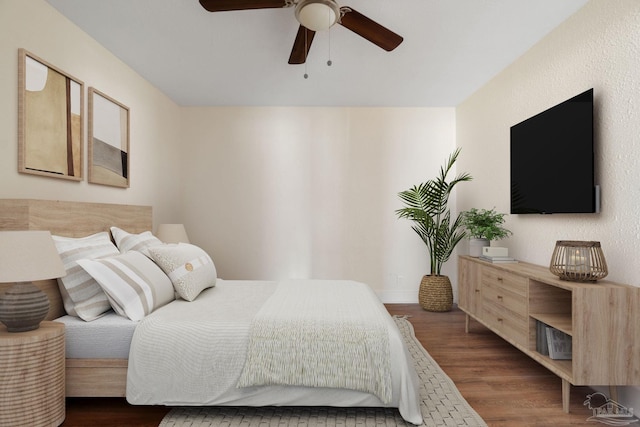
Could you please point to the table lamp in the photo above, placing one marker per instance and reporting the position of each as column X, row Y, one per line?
column 26, row 256
column 172, row 233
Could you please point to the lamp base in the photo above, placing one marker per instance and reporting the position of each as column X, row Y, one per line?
column 23, row 306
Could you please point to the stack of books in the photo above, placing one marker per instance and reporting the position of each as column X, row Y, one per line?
column 496, row 255
column 552, row 342
column 559, row 344
column 498, row 259
column 542, row 344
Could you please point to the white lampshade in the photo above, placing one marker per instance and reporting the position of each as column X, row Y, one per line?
column 172, row 233
column 317, row 15
column 28, row 255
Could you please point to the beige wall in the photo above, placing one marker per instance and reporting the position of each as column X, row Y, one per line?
column 155, row 176
column 311, row 192
column 275, row 192
column 269, row 192
column 598, row 47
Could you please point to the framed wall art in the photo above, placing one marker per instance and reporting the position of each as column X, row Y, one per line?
column 50, row 120
column 108, row 140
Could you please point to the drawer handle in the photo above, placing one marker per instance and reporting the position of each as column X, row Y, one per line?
column 477, row 290
column 499, row 279
column 499, row 319
column 500, row 297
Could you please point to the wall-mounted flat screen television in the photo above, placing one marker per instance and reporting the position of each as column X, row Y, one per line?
column 552, row 160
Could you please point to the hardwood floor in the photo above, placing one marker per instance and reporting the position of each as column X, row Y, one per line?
column 504, row 386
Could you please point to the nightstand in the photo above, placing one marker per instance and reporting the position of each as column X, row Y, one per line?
column 32, row 376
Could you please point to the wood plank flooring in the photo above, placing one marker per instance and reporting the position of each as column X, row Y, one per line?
column 505, row 387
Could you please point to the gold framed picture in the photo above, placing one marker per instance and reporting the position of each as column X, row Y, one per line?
column 108, row 140
column 50, row 120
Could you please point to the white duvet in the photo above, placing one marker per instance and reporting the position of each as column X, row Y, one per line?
column 193, row 354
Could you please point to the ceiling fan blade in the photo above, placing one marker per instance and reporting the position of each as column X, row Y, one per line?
column 225, row 5
column 301, row 46
column 370, row 30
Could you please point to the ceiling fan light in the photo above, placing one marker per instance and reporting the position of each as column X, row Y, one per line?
column 317, row 15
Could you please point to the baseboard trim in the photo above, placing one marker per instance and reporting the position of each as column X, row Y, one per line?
column 398, row 297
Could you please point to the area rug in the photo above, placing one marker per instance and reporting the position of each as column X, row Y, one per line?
column 442, row 405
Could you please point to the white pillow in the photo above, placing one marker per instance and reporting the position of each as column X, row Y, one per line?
column 190, row 269
column 134, row 285
column 81, row 294
column 134, row 242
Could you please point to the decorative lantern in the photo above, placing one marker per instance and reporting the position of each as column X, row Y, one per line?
column 578, row 261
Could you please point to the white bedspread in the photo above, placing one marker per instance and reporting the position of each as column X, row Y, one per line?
column 193, row 353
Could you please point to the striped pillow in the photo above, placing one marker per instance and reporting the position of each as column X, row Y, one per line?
column 190, row 269
column 134, row 284
column 134, row 242
column 81, row 294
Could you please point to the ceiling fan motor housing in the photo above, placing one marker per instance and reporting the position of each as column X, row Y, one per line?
column 317, row 15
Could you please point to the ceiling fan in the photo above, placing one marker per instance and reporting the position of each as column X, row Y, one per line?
column 315, row 15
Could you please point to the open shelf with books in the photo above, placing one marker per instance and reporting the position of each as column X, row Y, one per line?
column 550, row 314
column 561, row 322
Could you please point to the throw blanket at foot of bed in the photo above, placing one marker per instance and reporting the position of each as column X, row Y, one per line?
column 320, row 334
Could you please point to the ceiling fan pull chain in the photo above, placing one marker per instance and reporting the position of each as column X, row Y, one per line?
column 306, row 52
column 329, row 62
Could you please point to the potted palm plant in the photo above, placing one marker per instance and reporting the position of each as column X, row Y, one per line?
column 483, row 226
column 427, row 205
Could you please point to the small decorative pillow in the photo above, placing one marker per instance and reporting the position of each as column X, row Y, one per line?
column 190, row 269
column 134, row 242
column 134, row 285
column 81, row 294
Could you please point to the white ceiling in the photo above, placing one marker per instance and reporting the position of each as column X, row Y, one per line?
column 450, row 49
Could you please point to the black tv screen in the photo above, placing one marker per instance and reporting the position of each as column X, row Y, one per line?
column 552, row 166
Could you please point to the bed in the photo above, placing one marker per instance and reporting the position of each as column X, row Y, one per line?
column 141, row 363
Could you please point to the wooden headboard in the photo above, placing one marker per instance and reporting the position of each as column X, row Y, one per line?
column 70, row 219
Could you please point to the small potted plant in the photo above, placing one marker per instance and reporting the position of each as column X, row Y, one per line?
column 483, row 226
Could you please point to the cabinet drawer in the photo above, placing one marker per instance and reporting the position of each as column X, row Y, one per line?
column 505, row 296
column 511, row 324
column 514, row 283
column 505, row 305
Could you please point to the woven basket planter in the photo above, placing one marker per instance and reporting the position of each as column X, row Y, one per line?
column 435, row 293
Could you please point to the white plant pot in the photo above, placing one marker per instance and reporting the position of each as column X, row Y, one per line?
column 476, row 245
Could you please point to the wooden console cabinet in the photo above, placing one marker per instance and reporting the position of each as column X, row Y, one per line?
column 601, row 317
